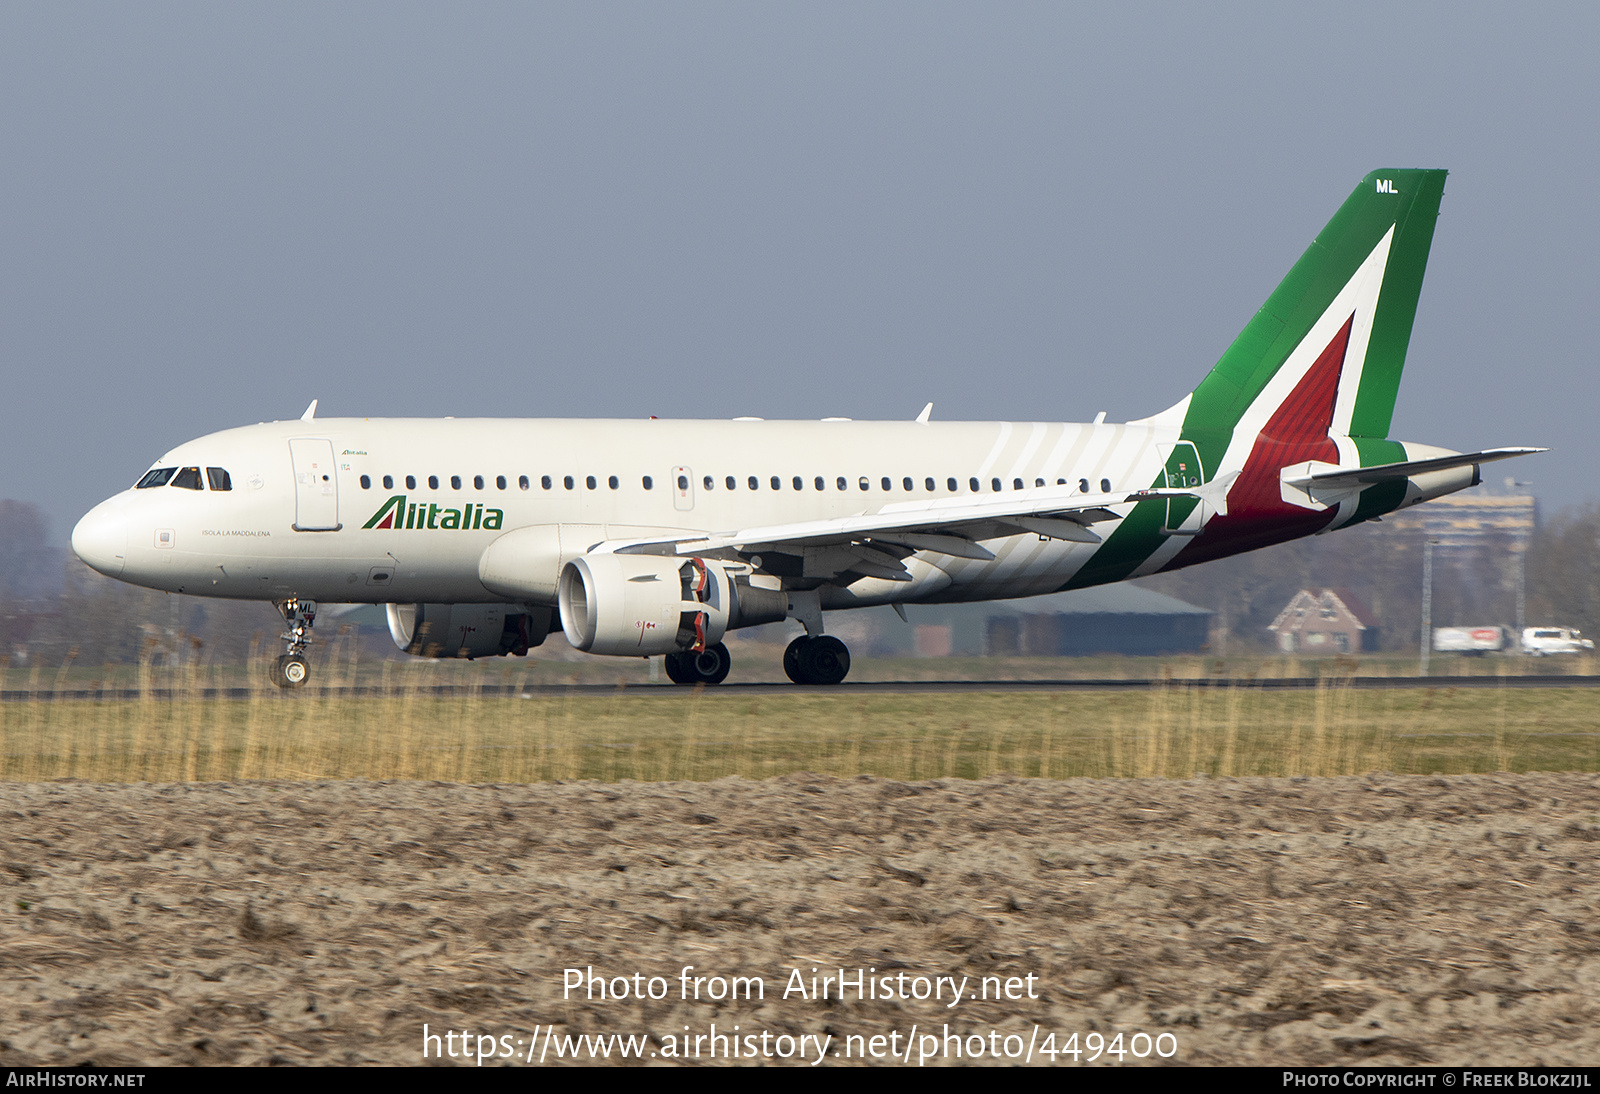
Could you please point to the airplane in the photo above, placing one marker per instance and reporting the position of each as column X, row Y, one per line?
column 656, row 538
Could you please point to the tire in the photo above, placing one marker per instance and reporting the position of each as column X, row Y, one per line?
column 708, row 666
column 676, row 671
column 711, row 665
column 791, row 660
column 291, row 671
column 823, row 660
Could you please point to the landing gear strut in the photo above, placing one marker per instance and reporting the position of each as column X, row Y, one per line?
column 707, row 666
column 821, row 659
column 291, row 670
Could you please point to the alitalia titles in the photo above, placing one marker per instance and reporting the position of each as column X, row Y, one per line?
column 398, row 513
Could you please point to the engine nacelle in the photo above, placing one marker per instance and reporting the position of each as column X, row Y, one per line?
column 638, row 605
column 467, row 630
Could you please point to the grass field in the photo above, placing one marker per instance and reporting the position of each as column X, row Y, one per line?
column 1164, row 732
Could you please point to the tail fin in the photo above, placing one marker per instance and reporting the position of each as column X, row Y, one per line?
column 1353, row 295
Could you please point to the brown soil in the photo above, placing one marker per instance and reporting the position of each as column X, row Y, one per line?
column 1259, row 921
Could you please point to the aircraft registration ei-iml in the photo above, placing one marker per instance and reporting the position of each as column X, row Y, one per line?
column 648, row 538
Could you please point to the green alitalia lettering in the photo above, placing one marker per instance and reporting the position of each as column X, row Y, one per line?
column 388, row 516
column 396, row 513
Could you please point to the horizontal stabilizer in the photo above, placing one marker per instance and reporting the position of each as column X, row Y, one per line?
column 1355, row 477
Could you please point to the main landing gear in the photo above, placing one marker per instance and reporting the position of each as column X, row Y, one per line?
column 291, row 670
column 819, row 659
column 707, row 666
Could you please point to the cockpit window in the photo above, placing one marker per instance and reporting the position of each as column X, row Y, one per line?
column 156, row 477
column 188, row 478
column 218, row 479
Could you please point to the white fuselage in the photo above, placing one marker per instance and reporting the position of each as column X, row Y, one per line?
column 254, row 540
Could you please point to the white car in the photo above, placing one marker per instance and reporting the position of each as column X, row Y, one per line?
column 1539, row 641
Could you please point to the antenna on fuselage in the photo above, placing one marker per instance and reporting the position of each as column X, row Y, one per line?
column 927, row 412
column 311, row 412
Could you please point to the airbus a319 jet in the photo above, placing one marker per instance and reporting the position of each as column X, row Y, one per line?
column 656, row 538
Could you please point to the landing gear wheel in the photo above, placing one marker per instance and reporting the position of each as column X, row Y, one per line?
column 291, row 671
column 821, row 660
column 708, row 666
column 673, row 662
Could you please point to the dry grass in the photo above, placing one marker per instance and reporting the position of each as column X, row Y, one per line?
column 1164, row 732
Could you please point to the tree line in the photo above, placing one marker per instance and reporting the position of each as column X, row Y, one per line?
column 53, row 607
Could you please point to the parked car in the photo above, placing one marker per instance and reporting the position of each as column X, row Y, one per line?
column 1540, row 641
column 1473, row 640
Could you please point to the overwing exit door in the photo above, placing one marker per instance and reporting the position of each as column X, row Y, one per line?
column 316, row 486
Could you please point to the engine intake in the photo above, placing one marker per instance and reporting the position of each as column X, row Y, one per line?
column 467, row 630
column 639, row 605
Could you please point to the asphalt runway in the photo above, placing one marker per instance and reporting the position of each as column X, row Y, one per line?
column 875, row 687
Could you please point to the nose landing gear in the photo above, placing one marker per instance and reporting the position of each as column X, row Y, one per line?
column 291, row 670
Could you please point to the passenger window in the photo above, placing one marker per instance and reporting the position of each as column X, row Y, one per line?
column 865, row 485
column 522, row 482
column 974, row 484
column 1016, row 484
column 500, row 482
column 996, row 484
column 711, row 483
column 411, row 482
column 188, row 478
column 477, row 482
column 887, row 485
column 821, row 485
column 366, row 483
column 1105, row 486
column 649, row 484
column 1038, row 482
column 683, row 482
column 907, row 483
column 433, row 482
column 1061, row 482
column 949, row 484
column 777, row 483
column 455, row 482
column 799, row 483
column 613, row 482
column 218, row 479
column 842, row 483
column 568, row 482
column 158, row 477
column 545, row 483
column 589, row 482
column 755, row 483
column 388, row 482
column 1083, row 486
column 732, row 482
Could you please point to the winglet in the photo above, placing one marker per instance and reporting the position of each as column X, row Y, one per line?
column 311, row 412
column 927, row 412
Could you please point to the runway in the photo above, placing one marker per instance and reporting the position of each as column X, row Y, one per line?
column 875, row 687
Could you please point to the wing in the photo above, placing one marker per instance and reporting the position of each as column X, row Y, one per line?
column 874, row 544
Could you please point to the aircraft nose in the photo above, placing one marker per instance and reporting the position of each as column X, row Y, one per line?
column 101, row 539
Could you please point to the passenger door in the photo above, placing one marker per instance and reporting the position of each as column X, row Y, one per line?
column 316, row 486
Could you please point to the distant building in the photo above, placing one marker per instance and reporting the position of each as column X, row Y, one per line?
column 1493, row 522
column 1332, row 621
column 1118, row 618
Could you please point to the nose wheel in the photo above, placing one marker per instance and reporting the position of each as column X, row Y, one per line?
column 707, row 666
column 292, row 670
column 822, row 659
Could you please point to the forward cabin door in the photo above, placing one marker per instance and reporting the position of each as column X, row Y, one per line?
column 316, row 486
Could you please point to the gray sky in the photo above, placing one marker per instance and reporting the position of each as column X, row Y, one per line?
column 211, row 214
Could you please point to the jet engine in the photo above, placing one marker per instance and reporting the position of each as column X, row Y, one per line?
column 638, row 605
column 467, row 630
